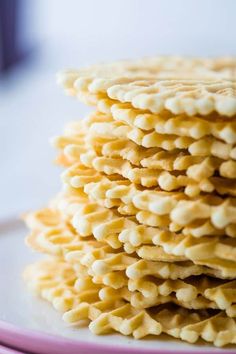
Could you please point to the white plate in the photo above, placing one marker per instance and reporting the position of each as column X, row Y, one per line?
column 32, row 324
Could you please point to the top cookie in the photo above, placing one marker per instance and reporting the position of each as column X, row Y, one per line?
column 179, row 85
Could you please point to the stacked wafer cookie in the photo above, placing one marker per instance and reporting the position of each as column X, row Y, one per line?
column 142, row 237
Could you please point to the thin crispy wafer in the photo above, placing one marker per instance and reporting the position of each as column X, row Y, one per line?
column 177, row 322
column 197, row 228
column 119, row 147
column 197, row 168
column 57, row 282
column 55, row 279
column 180, row 208
column 115, row 230
column 81, row 300
column 185, row 290
column 223, row 66
column 207, row 249
column 79, row 175
column 201, row 152
column 220, row 292
column 205, row 146
column 101, row 261
column 201, row 157
column 110, row 163
column 76, row 131
column 217, row 293
column 178, row 96
column 170, row 270
column 104, row 224
column 210, row 258
column 166, row 123
column 218, row 329
column 155, row 245
column 93, row 251
column 50, row 231
column 137, row 300
column 166, row 180
column 43, row 218
column 204, row 90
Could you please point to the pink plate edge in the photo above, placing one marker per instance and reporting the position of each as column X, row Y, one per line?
column 40, row 343
column 7, row 350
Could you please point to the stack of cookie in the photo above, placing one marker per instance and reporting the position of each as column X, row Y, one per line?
column 142, row 237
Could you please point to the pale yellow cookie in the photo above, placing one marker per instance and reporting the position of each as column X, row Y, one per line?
column 79, row 299
column 193, row 86
column 180, row 125
column 181, row 209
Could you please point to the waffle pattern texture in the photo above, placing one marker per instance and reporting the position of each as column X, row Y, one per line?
column 141, row 239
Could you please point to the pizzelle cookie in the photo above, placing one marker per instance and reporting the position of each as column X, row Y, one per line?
column 205, row 146
column 115, row 192
column 103, row 127
column 90, row 252
column 107, row 226
column 142, row 237
column 182, row 125
column 191, row 87
column 181, row 209
column 78, row 298
column 150, row 167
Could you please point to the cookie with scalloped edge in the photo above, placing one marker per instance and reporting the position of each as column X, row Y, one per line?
column 193, row 86
column 195, row 127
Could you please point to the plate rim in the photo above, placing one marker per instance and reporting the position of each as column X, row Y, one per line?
column 8, row 350
column 27, row 339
